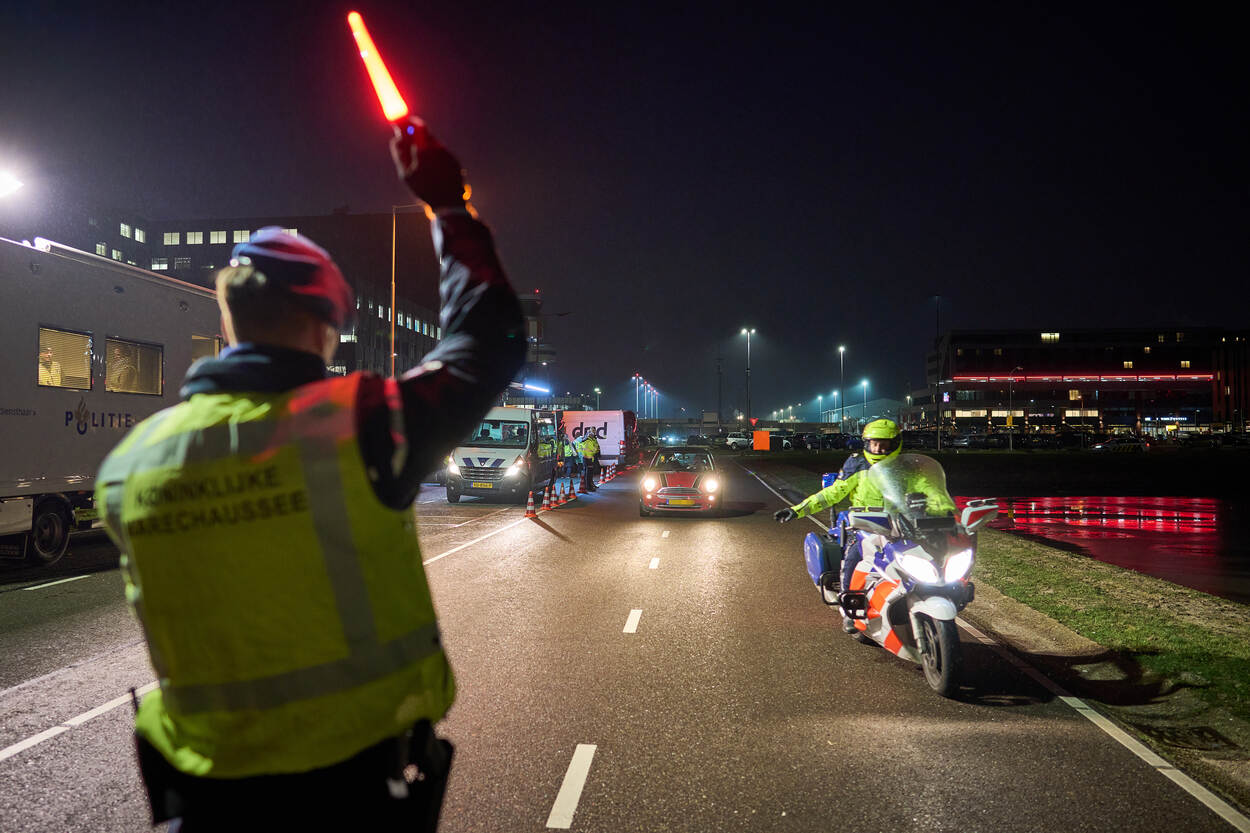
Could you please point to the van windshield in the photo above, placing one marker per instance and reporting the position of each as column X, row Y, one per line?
column 499, row 433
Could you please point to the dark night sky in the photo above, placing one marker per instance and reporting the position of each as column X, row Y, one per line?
column 669, row 173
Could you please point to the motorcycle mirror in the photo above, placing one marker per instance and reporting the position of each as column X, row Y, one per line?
column 978, row 513
column 875, row 522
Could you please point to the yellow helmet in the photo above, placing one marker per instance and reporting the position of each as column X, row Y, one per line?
column 885, row 439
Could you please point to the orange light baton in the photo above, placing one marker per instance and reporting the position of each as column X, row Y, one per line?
column 393, row 106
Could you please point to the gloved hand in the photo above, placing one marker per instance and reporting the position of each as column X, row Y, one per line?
column 431, row 172
column 786, row 515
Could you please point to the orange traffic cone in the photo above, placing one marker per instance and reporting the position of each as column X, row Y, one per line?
column 581, row 485
column 572, row 491
column 546, row 502
column 529, row 507
column 559, row 499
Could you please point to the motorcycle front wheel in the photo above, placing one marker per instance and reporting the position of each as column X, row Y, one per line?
column 942, row 658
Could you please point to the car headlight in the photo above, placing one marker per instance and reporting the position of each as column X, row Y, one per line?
column 921, row 569
column 649, row 483
column 452, row 468
column 957, row 566
column 710, row 484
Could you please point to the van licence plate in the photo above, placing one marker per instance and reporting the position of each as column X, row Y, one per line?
column 681, row 502
column 481, row 485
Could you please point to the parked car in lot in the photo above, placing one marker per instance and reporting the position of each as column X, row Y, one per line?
column 779, row 442
column 1129, row 444
column 738, row 440
column 919, row 439
column 681, row 479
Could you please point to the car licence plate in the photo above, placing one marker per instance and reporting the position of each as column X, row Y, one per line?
column 481, row 485
column 681, row 502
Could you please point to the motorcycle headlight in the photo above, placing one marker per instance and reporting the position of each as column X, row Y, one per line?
column 649, row 483
column 452, row 467
column 710, row 485
column 957, row 566
column 921, row 569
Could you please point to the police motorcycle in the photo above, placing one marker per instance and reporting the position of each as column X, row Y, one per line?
column 913, row 578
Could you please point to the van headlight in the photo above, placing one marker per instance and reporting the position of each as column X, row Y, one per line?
column 921, row 569
column 516, row 468
column 709, row 484
column 452, row 468
column 958, row 566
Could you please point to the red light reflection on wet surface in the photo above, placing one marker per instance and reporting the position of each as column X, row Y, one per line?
column 1187, row 541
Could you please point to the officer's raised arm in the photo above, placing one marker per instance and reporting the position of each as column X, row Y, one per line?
column 482, row 345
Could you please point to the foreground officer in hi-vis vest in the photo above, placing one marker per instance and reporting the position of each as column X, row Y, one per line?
column 269, row 546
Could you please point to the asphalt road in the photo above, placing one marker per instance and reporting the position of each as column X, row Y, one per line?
column 731, row 701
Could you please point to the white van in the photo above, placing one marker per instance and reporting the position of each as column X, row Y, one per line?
column 510, row 453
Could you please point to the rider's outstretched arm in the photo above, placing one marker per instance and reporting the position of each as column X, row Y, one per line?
column 833, row 494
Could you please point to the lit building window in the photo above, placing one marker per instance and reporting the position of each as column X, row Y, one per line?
column 998, row 351
column 160, row 264
column 195, row 238
column 1185, row 363
column 1049, row 337
column 291, row 230
column 141, row 236
column 1160, row 338
column 216, row 237
column 101, row 249
column 425, row 328
column 182, row 263
column 241, row 235
column 439, row 334
column 1180, row 337
column 117, row 255
column 1128, row 365
column 1147, row 349
column 959, row 351
column 1074, row 395
column 125, row 230
column 172, row 238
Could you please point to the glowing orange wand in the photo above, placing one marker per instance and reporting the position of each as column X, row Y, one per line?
column 393, row 106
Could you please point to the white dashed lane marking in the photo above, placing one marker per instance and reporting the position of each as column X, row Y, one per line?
column 631, row 624
column 561, row 816
column 655, row 562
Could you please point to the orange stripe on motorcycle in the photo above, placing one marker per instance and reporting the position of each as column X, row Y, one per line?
column 892, row 642
column 880, row 593
column 858, row 579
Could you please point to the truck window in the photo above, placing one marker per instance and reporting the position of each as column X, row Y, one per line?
column 131, row 367
column 204, row 347
column 64, row 359
column 499, row 433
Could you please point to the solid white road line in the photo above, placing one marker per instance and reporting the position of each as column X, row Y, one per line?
column 34, row 740
column 561, row 816
column 631, row 624
column 477, row 540
column 655, row 562
column 811, row 518
column 1213, row 802
column 49, row 584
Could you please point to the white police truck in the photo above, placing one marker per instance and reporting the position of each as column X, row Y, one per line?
column 89, row 347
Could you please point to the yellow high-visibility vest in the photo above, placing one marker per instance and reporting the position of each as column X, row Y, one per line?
column 286, row 608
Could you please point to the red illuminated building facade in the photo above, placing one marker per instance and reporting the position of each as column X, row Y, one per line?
column 1143, row 381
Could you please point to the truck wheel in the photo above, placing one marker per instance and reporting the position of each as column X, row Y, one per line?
column 49, row 533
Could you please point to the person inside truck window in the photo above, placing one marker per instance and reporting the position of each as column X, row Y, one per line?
column 49, row 370
column 484, row 434
column 122, row 374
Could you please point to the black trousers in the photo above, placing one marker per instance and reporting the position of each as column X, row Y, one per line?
column 394, row 785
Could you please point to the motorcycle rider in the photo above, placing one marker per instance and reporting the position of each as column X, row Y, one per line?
column 882, row 441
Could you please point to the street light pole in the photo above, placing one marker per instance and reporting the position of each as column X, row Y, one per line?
column 820, row 404
column 597, row 393
column 841, row 385
column 748, row 334
column 863, row 416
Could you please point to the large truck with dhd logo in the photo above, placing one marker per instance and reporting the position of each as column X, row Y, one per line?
column 509, row 453
column 89, row 348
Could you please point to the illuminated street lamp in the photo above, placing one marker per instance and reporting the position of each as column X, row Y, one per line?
column 820, row 403
column 597, row 392
column 636, row 377
column 8, row 183
column 748, row 334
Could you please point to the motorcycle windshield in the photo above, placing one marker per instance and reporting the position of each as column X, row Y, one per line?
column 913, row 486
